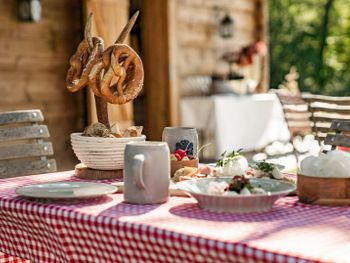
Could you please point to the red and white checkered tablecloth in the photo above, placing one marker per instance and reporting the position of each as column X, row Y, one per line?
column 109, row 230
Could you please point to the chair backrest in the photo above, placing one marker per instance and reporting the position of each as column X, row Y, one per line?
column 296, row 113
column 23, row 150
column 324, row 110
column 340, row 135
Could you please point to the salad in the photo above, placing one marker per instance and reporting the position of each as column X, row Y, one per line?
column 234, row 163
column 269, row 170
column 238, row 185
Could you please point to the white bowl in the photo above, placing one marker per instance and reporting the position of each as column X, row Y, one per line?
column 101, row 153
column 236, row 203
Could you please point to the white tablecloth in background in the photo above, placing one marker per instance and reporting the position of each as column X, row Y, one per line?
column 249, row 122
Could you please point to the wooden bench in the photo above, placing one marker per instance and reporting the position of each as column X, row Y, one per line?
column 23, row 150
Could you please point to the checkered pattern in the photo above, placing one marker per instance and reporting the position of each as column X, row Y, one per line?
column 10, row 259
column 109, row 230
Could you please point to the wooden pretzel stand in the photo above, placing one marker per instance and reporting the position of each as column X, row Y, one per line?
column 115, row 75
column 83, row 172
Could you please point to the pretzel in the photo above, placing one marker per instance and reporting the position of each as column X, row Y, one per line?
column 81, row 64
column 126, row 67
column 95, row 74
column 105, row 62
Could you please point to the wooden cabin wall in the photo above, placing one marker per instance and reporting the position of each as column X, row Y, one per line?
column 195, row 40
column 33, row 64
column 181, row 40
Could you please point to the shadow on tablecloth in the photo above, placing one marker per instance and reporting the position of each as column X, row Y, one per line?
column 76, row 202
column 288, row 214
column 125, row 209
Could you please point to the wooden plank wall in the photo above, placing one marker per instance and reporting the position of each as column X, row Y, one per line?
column 195, row 41
column 181, row 40
column 33, row 63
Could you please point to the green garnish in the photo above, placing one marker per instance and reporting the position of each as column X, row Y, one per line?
column 239, row 182
column 265, row 167
column 228, row 157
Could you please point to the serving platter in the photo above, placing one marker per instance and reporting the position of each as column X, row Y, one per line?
column 65, row 190
column 198, row 189
column 253, row 164
column 329, row 191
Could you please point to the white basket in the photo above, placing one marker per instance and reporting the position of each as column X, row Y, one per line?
column 101, row 153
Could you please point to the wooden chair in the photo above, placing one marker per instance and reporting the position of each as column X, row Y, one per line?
column 22, row 148
column 296, row 113
column 339, row 135
column 324, row 110
column 297, row 117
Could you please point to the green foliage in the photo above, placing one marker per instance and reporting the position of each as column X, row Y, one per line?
column 297, row 29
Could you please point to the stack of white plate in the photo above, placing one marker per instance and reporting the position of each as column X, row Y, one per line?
column 101, row 153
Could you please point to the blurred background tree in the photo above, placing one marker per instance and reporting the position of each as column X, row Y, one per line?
column 313, row 36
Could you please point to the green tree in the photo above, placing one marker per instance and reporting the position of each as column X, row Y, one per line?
column 314, row 36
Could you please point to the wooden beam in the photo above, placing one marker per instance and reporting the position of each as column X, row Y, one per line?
column 262, row 35
column 155, row 44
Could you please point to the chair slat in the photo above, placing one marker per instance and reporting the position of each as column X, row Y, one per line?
column 299, row 130
column 26, row 132
column 330, row 110
column 337, row 140
column 20, row 167
column 21, row 116
column 323, row 129
column 327, row 119
column 326, row 99
column 286, row 100
column 341, row 126
column 299, row 124
column 298, row 118
column 295, row 110
column 25, row 150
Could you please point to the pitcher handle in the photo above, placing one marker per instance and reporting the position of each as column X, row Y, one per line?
column 137, row 168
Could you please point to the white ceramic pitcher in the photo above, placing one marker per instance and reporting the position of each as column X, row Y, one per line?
column 146, row 172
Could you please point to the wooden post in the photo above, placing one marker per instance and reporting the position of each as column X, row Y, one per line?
column 102, row 111
column 155, row 41
column 261, row 35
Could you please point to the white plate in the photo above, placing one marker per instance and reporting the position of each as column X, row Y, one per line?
column 66, row 190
